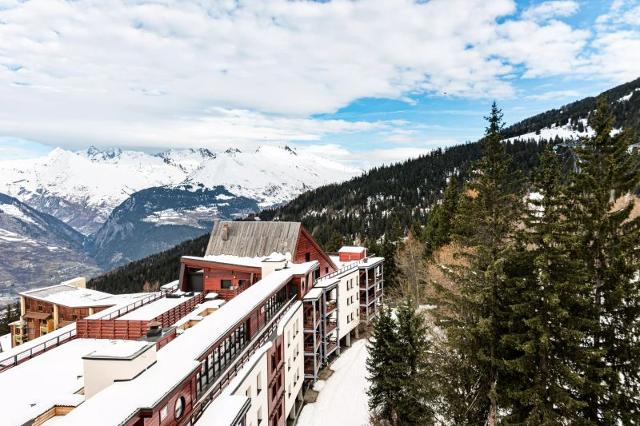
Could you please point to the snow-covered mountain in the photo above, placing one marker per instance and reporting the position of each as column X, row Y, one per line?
column 37, row 249
column 83, row 188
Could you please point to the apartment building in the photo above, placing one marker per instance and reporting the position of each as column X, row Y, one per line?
column 235, row 341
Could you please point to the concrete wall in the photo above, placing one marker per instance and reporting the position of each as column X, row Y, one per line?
column 349, row 303
column 100, row 373
column 293, row 359
column 254, row 386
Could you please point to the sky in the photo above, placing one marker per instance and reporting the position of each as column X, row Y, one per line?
column 376, row 80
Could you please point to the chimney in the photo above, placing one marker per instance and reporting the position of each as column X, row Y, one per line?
column 225, row 232
column 155, row 329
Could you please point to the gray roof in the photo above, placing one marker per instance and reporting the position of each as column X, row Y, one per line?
column 253, row 238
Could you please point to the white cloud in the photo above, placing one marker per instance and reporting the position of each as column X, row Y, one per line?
column 550, row 10
column 192, row 73
column 555, row 94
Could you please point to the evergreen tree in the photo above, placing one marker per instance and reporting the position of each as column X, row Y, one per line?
column 383, row 355
column 551, row 305
column 413, row 373
column 477, row 312
column 401, row 389
column 609, row 239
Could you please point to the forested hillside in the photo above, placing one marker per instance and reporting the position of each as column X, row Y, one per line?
column 151, row 271
column 390, row 199
column 387, row 200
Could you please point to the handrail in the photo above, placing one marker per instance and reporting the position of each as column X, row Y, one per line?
column 232, row 370
column 35, row 350
column 61, row 338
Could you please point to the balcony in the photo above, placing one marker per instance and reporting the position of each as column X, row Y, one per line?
column 331, row 326
column 310, row 347
column 331, row 306
column 44, row 329
column 332, row 345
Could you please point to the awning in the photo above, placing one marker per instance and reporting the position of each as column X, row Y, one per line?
column 37, row 315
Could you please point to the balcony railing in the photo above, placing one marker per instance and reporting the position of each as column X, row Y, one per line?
column 311, row 346
column 331, row 306
column 332, row 345
column 331, row 326
column 215, row 388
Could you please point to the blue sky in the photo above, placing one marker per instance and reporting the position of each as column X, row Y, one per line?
column 364, row 82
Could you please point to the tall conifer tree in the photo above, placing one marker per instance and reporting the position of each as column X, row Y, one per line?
column 475, row 314
column 608, row 171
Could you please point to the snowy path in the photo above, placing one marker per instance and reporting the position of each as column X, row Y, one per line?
column 343, row 398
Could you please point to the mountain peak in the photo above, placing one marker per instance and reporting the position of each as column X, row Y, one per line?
column 96, row 154
column 232, row 151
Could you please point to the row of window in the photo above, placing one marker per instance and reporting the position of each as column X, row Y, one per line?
column 221, row 357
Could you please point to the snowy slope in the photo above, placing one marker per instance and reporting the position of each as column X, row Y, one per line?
column 83, row 188
column 37, row 249
column 270, row 175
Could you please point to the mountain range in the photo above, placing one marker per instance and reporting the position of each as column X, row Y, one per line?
column 124, row 205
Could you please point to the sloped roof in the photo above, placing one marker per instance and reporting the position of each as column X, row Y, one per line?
column 253, row 238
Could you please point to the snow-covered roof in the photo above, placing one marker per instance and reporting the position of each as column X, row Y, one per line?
column 44, row 381
column 120, row 349
column 287, row 317
column 368, row 262
column 225, row 410
column 226, row 407
column 171, row 285
column 177, row 359
column 154, row 309
column 73, row 297
column 313, row 294
column 352, row 249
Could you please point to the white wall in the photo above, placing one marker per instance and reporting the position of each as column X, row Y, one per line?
column 348, row 303
column 254, row 386
column 293, row 356
column 100, row 373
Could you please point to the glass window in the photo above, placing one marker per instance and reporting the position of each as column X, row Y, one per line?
column 179, row 408
column 225, row 284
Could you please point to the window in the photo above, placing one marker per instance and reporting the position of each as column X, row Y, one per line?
column 179, row 408
column 258, row 384
column 248, row 392
column 307, row 257
column 225, row 284
column 163, row 412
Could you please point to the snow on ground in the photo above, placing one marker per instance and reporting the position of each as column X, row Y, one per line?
column 628, row 96
column 15, row 211
column 343, row 397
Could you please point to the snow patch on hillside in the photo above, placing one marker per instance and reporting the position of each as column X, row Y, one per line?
column 625, row 98
column 15, row 211
column 187, row 217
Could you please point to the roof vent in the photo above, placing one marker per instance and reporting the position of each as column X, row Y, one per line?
column 225, row 232
column 155, row 329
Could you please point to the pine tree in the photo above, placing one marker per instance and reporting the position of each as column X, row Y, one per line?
column 608, row 170
column 476, row 314
column 413, row 373
column 551, row 306
column 383, row 356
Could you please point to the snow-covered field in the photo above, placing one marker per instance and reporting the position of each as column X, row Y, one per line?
column 343, row 398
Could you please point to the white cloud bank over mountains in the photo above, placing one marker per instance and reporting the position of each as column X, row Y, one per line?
column 221, row 73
